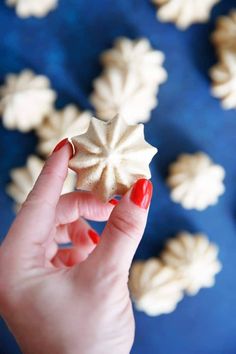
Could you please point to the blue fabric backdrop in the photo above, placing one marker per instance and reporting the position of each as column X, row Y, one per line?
column 65, row 46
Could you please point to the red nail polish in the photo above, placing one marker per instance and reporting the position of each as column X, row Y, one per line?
column 65, row 256
column 61, row 144
column 94, row 236
column 113, row 201
column 141, row 193
column 70, row 261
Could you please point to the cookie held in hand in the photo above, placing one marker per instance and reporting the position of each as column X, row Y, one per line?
column 110, row 157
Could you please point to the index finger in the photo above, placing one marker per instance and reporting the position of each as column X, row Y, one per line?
column 37, row 214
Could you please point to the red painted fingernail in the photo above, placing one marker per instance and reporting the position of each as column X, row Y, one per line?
column 70, row 261
column 94, row 236
column 141, row 193
column 65, row 256
column 113, row 201
column 63, row 143
column 60, row 145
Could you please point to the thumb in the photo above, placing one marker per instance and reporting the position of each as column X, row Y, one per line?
column 125, row 228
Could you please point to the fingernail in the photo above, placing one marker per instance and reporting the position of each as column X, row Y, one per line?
column 61, row 144
column 70, row 262
column 65, row 257
column 141, row 193
column 113, row 201
column 94, row 236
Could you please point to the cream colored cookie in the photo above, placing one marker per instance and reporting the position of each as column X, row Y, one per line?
column 110, row 157
column 139, row 57
column 133, row 72
column 59, row 125
column 25, row 100
column 194, row 259
column 223, row 77
column 120, row 92
column 154, row 287
column 37, row 8
column 184, row 12
column 224, row 36
column 195, row 181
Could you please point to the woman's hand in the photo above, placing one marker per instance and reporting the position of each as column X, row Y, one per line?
column 73, row 300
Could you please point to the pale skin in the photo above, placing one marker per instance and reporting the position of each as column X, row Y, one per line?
column 74, row 301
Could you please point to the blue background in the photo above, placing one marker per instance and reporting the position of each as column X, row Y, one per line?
column 65, row 46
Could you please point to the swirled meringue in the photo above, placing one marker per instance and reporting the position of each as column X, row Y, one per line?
column 224, row 36
column 154, row 287
column 37, row 8
column 120, row 92
column 25, row 100
column 23, row 179
column 139, row 57
column 184, row 12
column 195, row 181
column 194, row 259
column 59, row 125
column 110, row 157
column 130, row 81
column 224, row 80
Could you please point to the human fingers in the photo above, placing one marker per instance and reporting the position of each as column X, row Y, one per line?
column 33, row 223
column 79, row 233
column 125, row 228
column 73, row 205
column 83, row 238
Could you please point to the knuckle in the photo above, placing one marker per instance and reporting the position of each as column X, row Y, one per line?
column 126, row 224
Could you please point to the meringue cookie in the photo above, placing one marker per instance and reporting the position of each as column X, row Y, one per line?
column 120, row 92
column 224, row 80
column 139, row 57
column 110, row 157
column 25, row 99
column 194, row 259
column 195, row 181
column 37, row 8
column 184, row 12
column 224, row 36
column 23, row 179
column 59, row 125
column 154, row 287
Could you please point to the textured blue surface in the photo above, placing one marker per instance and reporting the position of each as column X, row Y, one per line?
column 65, row 46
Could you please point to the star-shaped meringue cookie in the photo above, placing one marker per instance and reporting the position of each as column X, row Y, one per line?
column 194, row 259
column 25, row 100
column 196, row 182
column 155, row 288
column 110, row 157
column 37, row 8
column 184, row 12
